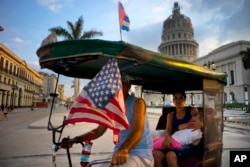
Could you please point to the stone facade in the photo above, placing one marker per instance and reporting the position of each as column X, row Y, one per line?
column 228, row 60
column 21, row 85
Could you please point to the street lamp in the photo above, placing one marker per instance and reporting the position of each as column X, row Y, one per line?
column 32, row 106
column 245, row 94
column 192, row 99
column 12, row 103
column 210, row 65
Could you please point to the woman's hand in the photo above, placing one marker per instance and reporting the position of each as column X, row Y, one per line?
column 195, row 124
column 167, row 142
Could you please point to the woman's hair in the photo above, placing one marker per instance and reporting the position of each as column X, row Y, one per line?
column 182, row 92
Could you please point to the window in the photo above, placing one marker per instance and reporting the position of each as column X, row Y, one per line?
column 231, row 77
column 227, row 77
column 225, row 97
column 1, row 62
column 231, row 69
column 232, row 97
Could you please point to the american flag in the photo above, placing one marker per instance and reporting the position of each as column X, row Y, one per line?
column 101, row 101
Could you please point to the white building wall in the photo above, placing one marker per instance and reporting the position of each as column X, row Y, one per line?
column 227, row 58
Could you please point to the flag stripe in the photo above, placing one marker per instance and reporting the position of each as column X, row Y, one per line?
column 80, row 99
column 92, row 116
column 113, row 109
column 101, row 101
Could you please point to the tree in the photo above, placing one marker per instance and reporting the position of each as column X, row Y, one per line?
column 75, row 33
column 246, row 58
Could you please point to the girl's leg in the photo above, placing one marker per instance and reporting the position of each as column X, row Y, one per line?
column 171, row 159
column 159, row 158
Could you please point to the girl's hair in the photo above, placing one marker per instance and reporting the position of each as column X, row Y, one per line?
column 182, row 92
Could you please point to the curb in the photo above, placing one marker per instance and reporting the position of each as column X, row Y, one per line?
column 237, row 127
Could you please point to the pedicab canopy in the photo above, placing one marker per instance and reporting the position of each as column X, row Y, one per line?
column 152, row 70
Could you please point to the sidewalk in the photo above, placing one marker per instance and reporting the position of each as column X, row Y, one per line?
column 60, row 112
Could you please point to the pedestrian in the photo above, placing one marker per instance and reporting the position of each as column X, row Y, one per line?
column 5, row 113
column 2, row 107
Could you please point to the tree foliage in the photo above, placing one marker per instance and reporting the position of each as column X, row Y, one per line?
column 74, row 31
column 246, row 58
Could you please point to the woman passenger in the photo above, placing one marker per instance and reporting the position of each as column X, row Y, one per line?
column 177, row 120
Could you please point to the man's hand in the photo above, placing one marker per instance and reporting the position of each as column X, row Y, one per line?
column 120, row 157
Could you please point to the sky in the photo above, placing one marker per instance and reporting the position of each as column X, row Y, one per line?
column 26, row 23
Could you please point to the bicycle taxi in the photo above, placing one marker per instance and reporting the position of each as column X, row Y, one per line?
column 153, row 72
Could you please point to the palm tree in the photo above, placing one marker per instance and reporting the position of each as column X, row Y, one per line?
column 246, row 58
column 75, row 33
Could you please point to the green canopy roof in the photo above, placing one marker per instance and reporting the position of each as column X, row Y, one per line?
column 155, row 71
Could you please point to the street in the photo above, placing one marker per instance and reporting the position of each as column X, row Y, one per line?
column 25, row 140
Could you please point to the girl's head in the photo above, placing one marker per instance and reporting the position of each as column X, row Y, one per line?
column 179, row 98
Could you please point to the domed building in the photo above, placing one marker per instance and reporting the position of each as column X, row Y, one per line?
column 177, row 36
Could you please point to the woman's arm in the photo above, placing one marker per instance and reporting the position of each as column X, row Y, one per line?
column 193, row 123
column 167, row 140
column 169, row 124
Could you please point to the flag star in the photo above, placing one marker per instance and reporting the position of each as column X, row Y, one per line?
column 113, row 91
column 96, row 99
column 100, row 99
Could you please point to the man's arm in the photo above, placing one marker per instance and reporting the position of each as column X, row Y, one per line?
column 99, row 131
column 121, row 156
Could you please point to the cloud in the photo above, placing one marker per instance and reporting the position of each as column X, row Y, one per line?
column 18, row 40
column 207, row 45
column 53, row 5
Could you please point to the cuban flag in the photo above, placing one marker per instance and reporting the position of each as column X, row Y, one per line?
column 101, row 101
column 123, row 18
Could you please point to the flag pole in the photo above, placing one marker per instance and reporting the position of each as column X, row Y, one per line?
column 120, row 34
column 119, row 22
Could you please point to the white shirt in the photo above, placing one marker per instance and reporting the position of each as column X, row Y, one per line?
column 187, row 136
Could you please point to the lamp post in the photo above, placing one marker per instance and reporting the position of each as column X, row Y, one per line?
column 192, row 99
column 245, row 94
column 12, row 103
column 32, row 105
column 210, row 65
